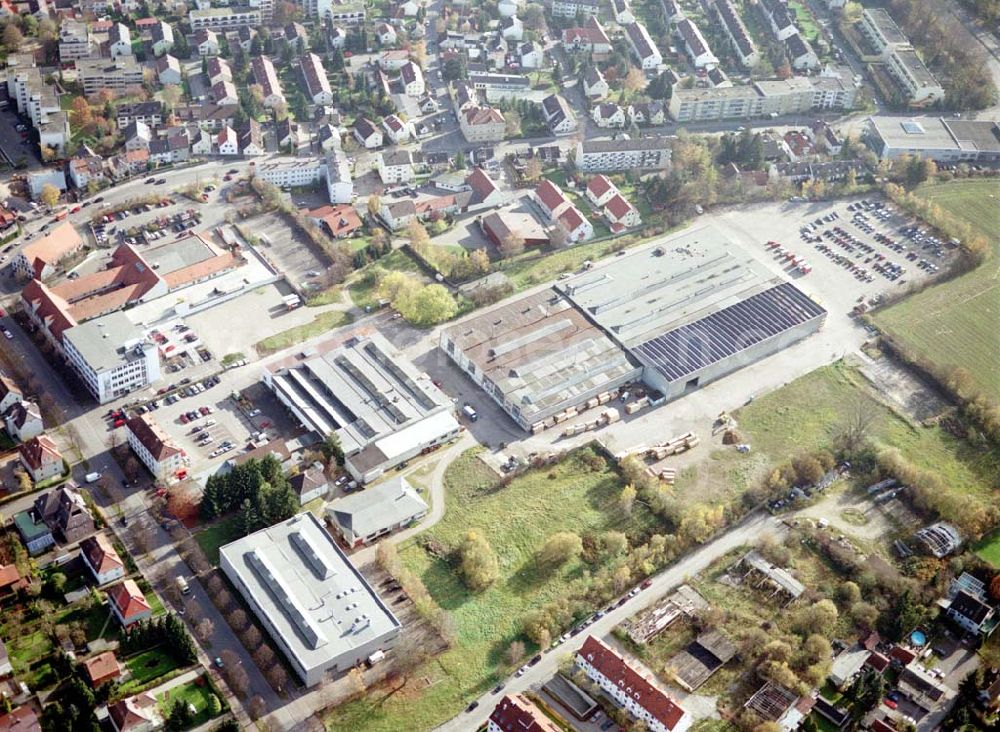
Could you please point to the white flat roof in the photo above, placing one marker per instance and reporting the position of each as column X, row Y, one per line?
column 419, row 433
column 319, row 604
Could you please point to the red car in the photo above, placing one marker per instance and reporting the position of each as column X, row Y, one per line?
column 647, row 584
column 119, row 422
column 75, row 209
column 184, row 419
column 889, row 703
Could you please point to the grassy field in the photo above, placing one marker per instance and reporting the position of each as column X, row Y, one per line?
column 989, row 549
column 804, row 415
column 319, row 325
column 363, row 290
column 516, row 519
column 218, row 534
column 148, row 665
column 198, row 695
column 954, row 323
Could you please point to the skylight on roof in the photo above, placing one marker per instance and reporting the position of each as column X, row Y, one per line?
column 912, row 127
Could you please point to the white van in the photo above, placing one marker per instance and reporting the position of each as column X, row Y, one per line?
column 183, row 586
column 92, row 477
column 469, row 412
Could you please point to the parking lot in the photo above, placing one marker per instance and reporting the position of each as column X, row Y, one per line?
column 286, row 248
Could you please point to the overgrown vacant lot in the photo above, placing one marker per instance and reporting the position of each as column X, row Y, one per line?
column 516, row 519
column 955, row 323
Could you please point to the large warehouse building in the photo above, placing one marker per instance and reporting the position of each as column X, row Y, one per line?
column 537, row 356
column 677, row 316
column 315, row 605
column 381, row 407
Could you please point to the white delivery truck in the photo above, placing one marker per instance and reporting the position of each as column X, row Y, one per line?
column 92, row 477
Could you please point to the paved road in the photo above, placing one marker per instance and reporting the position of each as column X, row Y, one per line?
column 746, row 532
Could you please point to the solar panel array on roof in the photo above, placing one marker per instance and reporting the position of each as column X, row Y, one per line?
column 694, row 346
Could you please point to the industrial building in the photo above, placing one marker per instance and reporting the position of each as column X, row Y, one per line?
column 693, row 310
column 537, row 357
column 936, row 138
column 677, row 316
column 383, row 410
column 315, row 605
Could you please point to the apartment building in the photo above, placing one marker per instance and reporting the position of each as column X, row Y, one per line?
column 228, row 18
column 881, row 32
column 763, row 98
column 149, row 113
column 517, row 712
column 736, row 30
column 595, row 156
column 919, row 85
column 482, row 124
column 119, row 75
column 317, row 85
column 155, row 448
column 571, row 8
column 75, row 41
column 338, row 13
column 396, row 166
column 413, row 79
column 635, row 694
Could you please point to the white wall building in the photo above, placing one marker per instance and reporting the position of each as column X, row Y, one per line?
column 111, row 356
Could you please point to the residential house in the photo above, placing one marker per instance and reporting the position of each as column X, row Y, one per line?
column 338, row 37
column 39, row 259
column 65, row 512
column 155, row 448
column 638, row 696
column 517, row 713
column 207, row 42
column 972, row 613
column 397, row 130
column 251, row 138
column 647, row 113
column 101, row 669
column 328, row 138
column 482, row 124
column 224, row 93
column 21, row 719
column 600, row 190
column 35, row 533
column 739, row 38
column 162, row 37
column 11, row 581
column 511, row 28
column 398, row 213
column 102, row 559
column 10, row 392
column 243, row 37
column 128, row 604
column 394, row 59
column 137, row 135
column 23, row 421
column 363, row 518
column 218, row 69
column 778, row 16
column 139, row 713
column 41, row 458
column 367, row 134
column 227, row 143
column 119, row 41
column 643, row 46
column 317, row 85
column 339, row 221
column 558, row 115
column 608, row 115
column 485, row 192
column 265, row 75
column 594, row 85
column 801, row 54
column 575, row 224
column 201, row 142
column 288, row 134
column 695, row 44
column 385, row 34
column 591, row 38
column 622, row 12
column 168, row 70
column 395, row 166
column 413, row 79
column 550, row 199
column 531, row 55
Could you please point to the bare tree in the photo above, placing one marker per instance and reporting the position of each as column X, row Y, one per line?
column 195, row 611
column 230, row 659
column 277, row 677
column 214, row 584
column 204, row 629
column 237, row 619
column 263, row 656
column 238, row 680
column 515, row 652
column 251, row 638
column 854, row 429
column 257, row 708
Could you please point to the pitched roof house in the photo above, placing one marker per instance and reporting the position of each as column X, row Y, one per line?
column 517, row 713
column 128, row 603
column 65, row 513
column 41, row 458
column 136, row 714
column 102, row 559
column 102, row 668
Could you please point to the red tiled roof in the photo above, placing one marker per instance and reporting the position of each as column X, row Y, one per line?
column 102, row 667
column 877, row 661
column 880, row 725
column 129, row 600
column 38, row 450
column 134, row 712
column 152, row 436
column 516, row 713
column 51, row 309
column 482, row 116
column 614, row 668
column 9, row 575
column 599, row 185
column 480, row 183
column 22, row 719
column 618, row 207
column 340, row 220
column 62, row 240
column 903, row 655
column 550, row 195
column 100, row 554
column 571, row 218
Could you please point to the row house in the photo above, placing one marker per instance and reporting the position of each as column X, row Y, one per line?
column 643, row 46
column 265, row 75
column 317, row 84
column 742, row 44
column 695, row 44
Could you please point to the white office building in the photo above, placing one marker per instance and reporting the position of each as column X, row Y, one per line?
column 111, row 356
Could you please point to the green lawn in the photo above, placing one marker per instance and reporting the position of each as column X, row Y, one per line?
column 6, row 441
column 516, row 520
column 989, row 549
column 804, row 416
column 218, row 534
column 955, row 323
column 147, row 666
column 319, row 325
column 194, row 693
